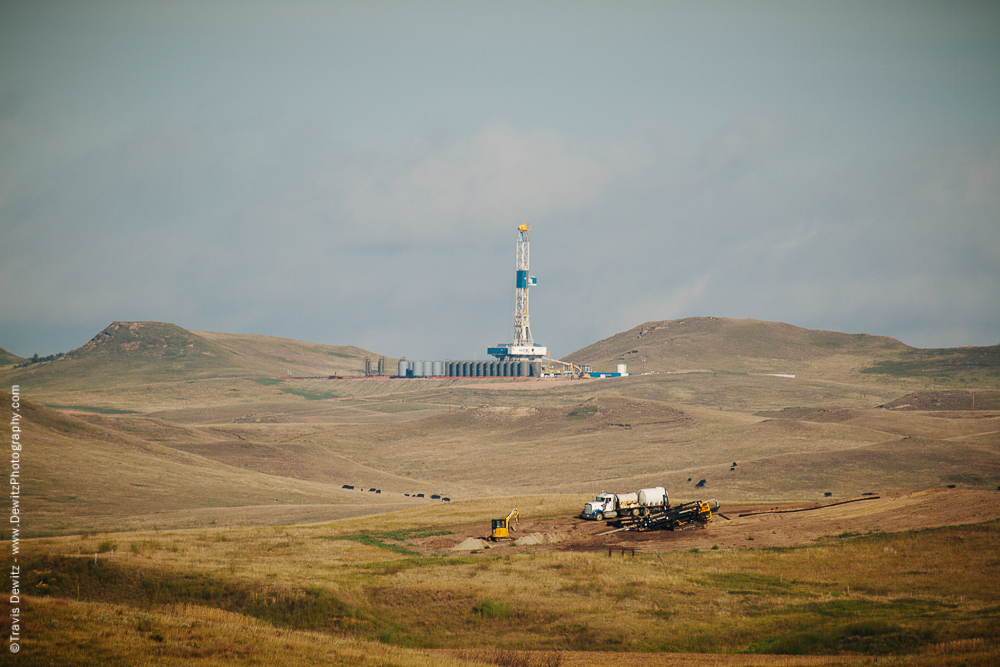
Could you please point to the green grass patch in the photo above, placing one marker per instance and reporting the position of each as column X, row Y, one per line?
column 376, row 541
column 413, row 534
column 745, row 583
column 945, row 363
column 492, row 609
column 267, row 382
column 582, row 412
column 390, row 540
column 311, row 394
column 872, row 637
column 862, row 608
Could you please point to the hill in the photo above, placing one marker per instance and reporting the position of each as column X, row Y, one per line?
column 220, row 411
column 155, row 357
column 9, row 359
column 229, row 452
column 751, row 346
column 128, row 473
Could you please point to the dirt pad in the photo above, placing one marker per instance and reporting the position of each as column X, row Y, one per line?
column 768, row 526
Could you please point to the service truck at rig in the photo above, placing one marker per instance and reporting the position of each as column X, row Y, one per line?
column 611, row 505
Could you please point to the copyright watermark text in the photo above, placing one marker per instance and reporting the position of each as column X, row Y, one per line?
column 16, row 444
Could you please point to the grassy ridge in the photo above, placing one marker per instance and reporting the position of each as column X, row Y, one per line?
column 157, row 354
column 9, row 358
column 731, row 345
column 751, row 346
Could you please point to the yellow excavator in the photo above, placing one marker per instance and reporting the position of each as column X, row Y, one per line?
column 502, row 527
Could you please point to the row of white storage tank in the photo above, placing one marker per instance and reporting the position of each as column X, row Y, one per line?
column 425, row 369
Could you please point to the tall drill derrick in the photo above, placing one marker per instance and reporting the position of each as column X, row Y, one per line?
column 522, row 326
column 521, row 348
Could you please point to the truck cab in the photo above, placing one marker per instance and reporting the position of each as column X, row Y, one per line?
column 612, row 505
column 605, row 505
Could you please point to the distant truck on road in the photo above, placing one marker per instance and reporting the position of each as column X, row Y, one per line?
column 612, row 505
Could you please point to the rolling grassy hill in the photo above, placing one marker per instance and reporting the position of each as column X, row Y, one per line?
column 191, row 454
column 203, row 426
column 129, row 364
column 123, row 473
column 9, row 359
column 752, row 346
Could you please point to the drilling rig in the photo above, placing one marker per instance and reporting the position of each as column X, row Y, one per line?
column 522, row 347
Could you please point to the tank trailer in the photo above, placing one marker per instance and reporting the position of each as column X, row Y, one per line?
column 612, row 505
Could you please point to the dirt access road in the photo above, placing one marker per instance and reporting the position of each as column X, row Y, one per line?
column 769, row 526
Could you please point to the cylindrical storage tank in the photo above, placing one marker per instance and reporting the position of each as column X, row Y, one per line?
column 418, row 369
column 621, row 369
column 493, row 369
column 438, row 368
column 654, row 496
column 481, row 369
column 450, row 369
column 628, row 498
column 522, row 369
column 402, row 368
column 536, row 369
column 465, row 369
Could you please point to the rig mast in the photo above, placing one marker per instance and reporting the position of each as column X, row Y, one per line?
column 522, row 346
column 522, row 325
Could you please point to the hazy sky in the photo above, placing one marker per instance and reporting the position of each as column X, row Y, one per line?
column 355, row 172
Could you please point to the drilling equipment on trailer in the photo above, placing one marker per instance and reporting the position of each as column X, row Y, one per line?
column 688, row 516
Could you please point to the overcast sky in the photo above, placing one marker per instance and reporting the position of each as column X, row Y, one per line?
column 354, row 172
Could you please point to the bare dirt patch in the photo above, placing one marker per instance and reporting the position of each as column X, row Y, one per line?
column 765, row 525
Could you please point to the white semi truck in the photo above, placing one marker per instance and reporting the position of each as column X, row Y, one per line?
column 612, row 505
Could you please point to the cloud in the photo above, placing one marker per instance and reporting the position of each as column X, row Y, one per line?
column 408, row 248
column 493, row 179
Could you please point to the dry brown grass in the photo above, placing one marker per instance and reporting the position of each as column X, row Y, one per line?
column 197, row 492
column 888, row 589
column 66, row 632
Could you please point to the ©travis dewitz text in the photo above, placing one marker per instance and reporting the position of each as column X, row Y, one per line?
column 15, row 612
